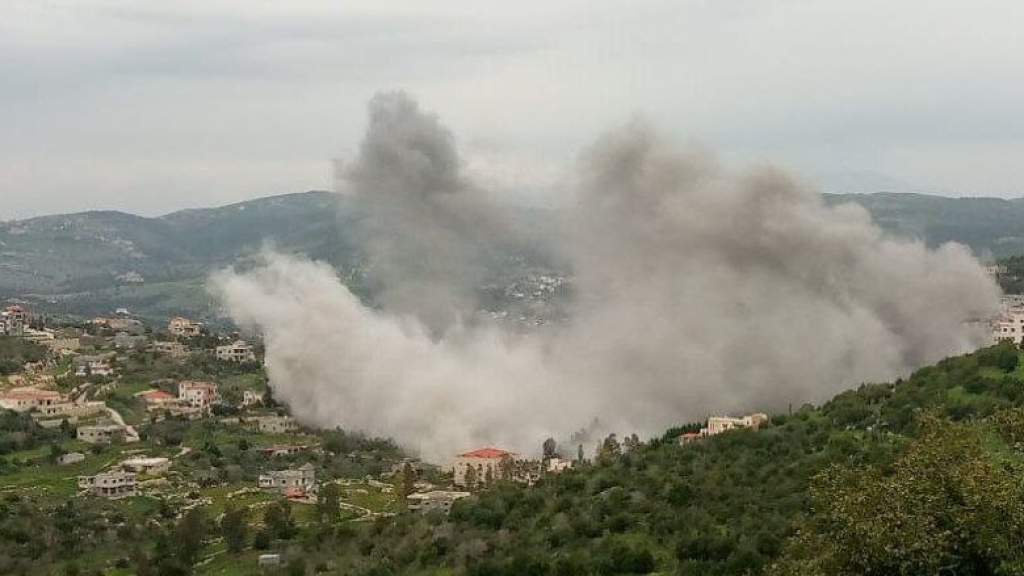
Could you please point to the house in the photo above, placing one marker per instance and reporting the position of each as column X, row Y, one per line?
column 171, row 348
column 687, row 437
column 558, row 464
column 237, row 351
column 157, row 399
column 86, row 366
column 112, row 485
column 145, row 465
column 482, row 466
column 302, row 479
column 435, row 500
column 198, row 394
column 251, row 397
column 275, row 424
column 183, row 327
column 13, row 321
column 719, row 424
column 25, row 399
column 105, row 434
column 1010, row 326
column 70, row 458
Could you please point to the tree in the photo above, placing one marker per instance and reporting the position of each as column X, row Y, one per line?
column 549, row 447
column 278, row 518
column 609, row 450
column 233, row 528
column 579, row 454
column 187, row 537
column 470, row 477
column 329, row 503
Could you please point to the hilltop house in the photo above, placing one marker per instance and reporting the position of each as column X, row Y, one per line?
column 482, row 465
column 198, row 394
column 237, row 351
column 296, row 482
column 112, row 485
column 719, row 424
column 183, row 327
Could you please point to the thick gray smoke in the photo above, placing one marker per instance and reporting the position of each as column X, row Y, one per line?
column 698, row 291
column 426, row 232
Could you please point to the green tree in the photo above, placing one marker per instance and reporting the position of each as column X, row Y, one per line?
column 278, row 518
column 329, row 503
column 234, row 529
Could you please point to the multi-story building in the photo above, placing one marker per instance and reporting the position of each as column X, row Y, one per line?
column 237, row 351
column 251, row 397
column 119, row 484
column 183, row 327
column 93, row 367
column 301, row 480
column 198, row 394
column 483, row 465
column 13, row 321
column 1010, row 326
column 104, row 434
column 275, row 424
column 719, row 424
column 25, row 399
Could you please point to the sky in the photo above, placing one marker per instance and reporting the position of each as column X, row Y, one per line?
column 150, row 107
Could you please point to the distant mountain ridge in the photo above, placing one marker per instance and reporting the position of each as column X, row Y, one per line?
column 90, row 262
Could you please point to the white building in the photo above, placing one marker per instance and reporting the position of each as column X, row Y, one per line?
column 251, row 397
column 719, row 424
column 435, row 500
column 559, row 464
column 70, row 458
column 198, row 394
column 1010, row 326
column 291, row 482
column 237, row 351
column 109, row 484
column 145, row 465
column 13, row 320
column 93, row 367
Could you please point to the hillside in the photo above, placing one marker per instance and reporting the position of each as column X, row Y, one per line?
column 915, row 477
column 92, row 262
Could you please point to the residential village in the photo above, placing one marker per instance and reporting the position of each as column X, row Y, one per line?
column 176, row 415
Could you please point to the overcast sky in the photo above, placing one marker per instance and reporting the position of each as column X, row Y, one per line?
column 153, row 106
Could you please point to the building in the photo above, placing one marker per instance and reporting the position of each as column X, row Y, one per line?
column 237, row 351
column 145, row 465
column 558, row 464
column 157, row 399
column 302, row 479
column 13, row 321
column 198, row 394
column 171, row 348
column 25, row 399
column 482, row 466
column 719, row 424
column 70, row 458
column 251, row 397
column 126, row 341
column 106, row 434
column 93, row 367
column 435, row 500
column 275, row 424
column 1010, row 326
column 269, row 560
column 112, row 485
column 183, row 327
column 282, row 449
column 687, row 437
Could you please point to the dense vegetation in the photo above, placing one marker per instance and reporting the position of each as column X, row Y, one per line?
column 15, row 352
column 733, row 504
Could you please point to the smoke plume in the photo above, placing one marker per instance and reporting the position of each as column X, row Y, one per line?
column 697, row 291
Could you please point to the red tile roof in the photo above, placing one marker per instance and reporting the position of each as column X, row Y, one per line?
column 487, row 452
column 154, row 395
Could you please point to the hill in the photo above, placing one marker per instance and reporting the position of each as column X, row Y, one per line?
column 93, row 262
column 913, row 477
